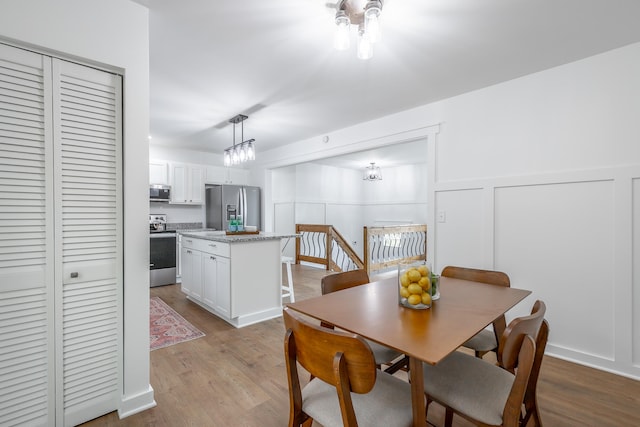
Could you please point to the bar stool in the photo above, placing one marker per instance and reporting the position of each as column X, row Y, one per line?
column 288, row 290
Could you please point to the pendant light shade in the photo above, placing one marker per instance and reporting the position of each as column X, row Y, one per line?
column 352, row 13
column 372, row 173
column 242, row 152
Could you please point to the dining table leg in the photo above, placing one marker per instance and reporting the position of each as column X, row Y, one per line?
column 417, row 392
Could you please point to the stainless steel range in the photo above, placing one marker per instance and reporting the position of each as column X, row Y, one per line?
column 162, row 244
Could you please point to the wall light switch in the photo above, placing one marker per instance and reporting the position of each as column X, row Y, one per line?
column 442, row 216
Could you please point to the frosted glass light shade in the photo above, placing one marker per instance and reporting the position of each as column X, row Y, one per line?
column 365, row 47
column 341, row 38
column 371, row 21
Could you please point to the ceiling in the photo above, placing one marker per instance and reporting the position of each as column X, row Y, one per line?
column 274, row 60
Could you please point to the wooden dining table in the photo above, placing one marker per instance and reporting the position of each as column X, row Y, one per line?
column 372, row 311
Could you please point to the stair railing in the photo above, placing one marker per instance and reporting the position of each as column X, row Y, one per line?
column 324, row 245
column 384, row 247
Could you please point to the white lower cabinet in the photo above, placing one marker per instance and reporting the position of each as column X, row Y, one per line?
column 206, row 274
column 191, row 272
column 240, row 282
column 215, row 279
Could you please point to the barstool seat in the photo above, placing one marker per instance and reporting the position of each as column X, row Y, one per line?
column 288, row 288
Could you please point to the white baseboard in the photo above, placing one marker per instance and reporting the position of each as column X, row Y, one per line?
column 138, row 403
column 592, row 361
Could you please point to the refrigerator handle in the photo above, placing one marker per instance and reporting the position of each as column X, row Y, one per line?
column 244, row 206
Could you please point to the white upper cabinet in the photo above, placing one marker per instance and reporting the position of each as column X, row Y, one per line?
column 187, row 185
column 216, row 175
column 237, row 176
column 158, row 172
column 225, row 175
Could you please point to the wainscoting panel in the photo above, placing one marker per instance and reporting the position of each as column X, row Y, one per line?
column 460, row 231
column 310, row 213
column 558, row 241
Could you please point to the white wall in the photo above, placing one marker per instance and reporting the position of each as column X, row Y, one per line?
column 537, row 177
column 544, row 193
column 113, row 34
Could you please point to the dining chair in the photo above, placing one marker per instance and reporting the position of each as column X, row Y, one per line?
column 486, row 340
column 346, row 388
column 490, row 395
column 348, row 279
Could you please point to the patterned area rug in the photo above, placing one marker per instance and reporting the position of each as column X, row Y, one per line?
column 168, row 327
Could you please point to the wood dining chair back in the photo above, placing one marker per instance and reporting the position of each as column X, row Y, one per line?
column 345, row 387
column 343, row 280
column 348, row 279
column 490, row 395
column 486, row 340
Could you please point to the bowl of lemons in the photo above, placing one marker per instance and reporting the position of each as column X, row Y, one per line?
column 414, row 285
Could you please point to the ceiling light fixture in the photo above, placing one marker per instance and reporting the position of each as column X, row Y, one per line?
column 372, row 173
column 242, row 152
column 365, row 17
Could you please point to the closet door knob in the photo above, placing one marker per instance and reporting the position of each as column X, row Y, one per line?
column 74, row 275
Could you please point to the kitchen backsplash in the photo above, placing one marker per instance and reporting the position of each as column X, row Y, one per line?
column 184, row 225
column 178, row 213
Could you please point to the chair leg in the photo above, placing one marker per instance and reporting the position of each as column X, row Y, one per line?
column 448, row 418
column 289, row 288
column 290, row 281
column 529, row 414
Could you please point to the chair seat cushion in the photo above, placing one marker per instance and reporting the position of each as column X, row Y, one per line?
column 320, row 402
column 383, row 354
column 470, row 386
column 484, row 340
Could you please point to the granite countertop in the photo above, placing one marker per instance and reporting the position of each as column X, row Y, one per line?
column 222, row 237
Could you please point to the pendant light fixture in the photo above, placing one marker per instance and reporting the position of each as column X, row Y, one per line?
column 372, row 173
column 242, row 152
column 365, row 16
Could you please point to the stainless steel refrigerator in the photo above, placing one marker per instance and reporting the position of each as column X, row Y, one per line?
column 223, row 202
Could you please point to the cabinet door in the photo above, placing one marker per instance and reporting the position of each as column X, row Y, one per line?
column 179, row 180
column 158, row 172
column 223, row 286
column 209, row 279
column 216, row 175
column 196, row 185
column 237, row 176
column 178, row 258
column 192, row 273
column 186, row 270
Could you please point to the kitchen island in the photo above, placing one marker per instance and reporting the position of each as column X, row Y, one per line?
column 236, row 277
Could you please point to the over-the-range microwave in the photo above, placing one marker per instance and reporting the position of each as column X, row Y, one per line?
column 159, row 193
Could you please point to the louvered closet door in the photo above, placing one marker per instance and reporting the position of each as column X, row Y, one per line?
column 26, row 240
column 88, row 211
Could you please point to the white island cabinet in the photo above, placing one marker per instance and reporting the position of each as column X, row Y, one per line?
column 236, row 277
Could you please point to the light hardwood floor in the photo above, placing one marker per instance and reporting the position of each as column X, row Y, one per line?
column 236, row 377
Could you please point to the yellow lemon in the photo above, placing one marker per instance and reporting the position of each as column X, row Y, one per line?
column 404, row 293
column 424, row 270
column 425, row 283
column 404, row 280
column 414, row 288
column 426, row 299
column 414, row 275
column 414, row 299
